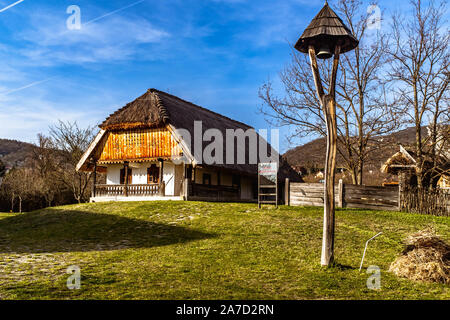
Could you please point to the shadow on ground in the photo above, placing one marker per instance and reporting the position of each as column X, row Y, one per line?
column 54, row 230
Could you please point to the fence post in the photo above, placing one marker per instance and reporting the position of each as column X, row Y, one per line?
column 286, row 192
column 401, row 178
column 341, row 194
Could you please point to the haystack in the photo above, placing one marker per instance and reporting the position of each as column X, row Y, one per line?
column 426, row 257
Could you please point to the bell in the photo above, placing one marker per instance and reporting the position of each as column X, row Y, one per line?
column 324, row 52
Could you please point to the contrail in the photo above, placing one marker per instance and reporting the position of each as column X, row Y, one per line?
column 113, row 12
column 27, row 86
column 11, row 5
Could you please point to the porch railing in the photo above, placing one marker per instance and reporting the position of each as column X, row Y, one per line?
column 112, row 190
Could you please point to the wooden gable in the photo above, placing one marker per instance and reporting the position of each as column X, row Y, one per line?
column 138, row 144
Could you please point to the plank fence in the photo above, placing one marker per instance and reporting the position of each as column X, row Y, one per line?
column 367, row 197
column 346, row 196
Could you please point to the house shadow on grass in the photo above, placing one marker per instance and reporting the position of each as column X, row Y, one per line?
column 53, row 230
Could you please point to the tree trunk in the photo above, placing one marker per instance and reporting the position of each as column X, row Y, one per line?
column 360, row 173
column 20, row 204
column 354, row 176
column 12, row 202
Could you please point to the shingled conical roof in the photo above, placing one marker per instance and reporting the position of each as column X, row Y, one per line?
column 327, row 27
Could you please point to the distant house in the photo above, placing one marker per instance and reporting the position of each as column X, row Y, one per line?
column 146, row 156
column 444, row 181
column 404, row 163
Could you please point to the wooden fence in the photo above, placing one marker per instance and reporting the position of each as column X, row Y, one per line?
column 378, row 198
column 435, row 202
column 365, row 197
column 346, row 196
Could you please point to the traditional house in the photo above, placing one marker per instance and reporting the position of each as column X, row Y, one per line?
column 404, row 165
column 149, row 150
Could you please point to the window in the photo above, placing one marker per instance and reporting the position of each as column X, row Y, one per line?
column 207, row 179
column 153, row 174
column 122, row 176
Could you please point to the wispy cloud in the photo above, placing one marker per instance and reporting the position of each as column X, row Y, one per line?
column 114, row 38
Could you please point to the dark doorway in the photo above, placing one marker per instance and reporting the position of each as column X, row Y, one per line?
column 153, row 174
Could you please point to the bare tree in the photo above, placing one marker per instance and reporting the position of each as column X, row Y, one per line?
column 22, row 184
column 364, row 112
column 72, row 141
column 420, row 70
column 46, row 162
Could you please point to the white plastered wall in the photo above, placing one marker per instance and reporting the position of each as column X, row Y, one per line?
column 169, row 178
column 139, row 174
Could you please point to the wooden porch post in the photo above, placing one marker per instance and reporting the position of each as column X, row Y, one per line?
column 193, row 181
column 125, row 188
column 186, row 189
column 94, row 187
column 161, row 177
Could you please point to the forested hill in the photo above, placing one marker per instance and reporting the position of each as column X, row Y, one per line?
column 312, row 154
column 14, row 153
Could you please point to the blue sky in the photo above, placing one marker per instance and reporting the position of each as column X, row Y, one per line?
column 215, row 53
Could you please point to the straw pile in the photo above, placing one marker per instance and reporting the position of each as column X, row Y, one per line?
column 425, row 258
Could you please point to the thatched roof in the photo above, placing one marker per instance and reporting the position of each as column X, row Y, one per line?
column 158, row 109
column 327, row 26
column 146, row 111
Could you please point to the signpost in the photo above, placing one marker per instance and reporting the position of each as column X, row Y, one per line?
column 267, row 183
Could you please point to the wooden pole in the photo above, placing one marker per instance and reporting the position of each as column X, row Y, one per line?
column 161, row 178
column 401, row 184
column 125, row 188
column 94, row 187
column 186, row 189
column 286, row 192
column 328, row 104
column 341, row 194
column 259, row 190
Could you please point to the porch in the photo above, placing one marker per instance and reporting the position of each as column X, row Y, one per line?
column 165, row 180
column 189, row 190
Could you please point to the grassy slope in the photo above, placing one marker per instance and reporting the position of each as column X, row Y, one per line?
column 179, row 250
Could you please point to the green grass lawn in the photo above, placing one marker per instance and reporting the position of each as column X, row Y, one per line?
column 193, row 250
